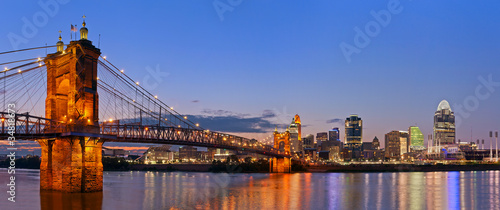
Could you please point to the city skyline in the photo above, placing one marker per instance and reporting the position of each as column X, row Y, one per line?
column 241, row 66
column 389, row 104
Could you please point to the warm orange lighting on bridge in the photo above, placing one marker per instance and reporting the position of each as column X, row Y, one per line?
column 110, row 120
column 104, row 57
column 179, row 126
column 19, row 70
column 156, row 97
column 88, row 120
column 137, row 83
column 121, row 71
column 146, row 128
column 166, row 119
column 197, row 125
column 185, row 117
column 70, row 120
column 97, row 78
column 3, row 119
column 172, row 108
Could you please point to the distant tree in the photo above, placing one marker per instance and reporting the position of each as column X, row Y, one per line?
column 234, row 158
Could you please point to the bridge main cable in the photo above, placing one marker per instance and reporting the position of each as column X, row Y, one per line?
column 33, row 48
column 150, row 96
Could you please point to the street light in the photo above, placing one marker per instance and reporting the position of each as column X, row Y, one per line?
column 491, row 146
column 496, row 148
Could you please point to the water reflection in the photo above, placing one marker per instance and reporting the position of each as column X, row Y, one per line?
column 59, row 200
column 179, row 190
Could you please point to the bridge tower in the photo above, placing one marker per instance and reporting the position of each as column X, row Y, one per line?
column 282, row 143
column 72, row 162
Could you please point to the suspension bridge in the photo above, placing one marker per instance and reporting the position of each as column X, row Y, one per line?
column 74, row 100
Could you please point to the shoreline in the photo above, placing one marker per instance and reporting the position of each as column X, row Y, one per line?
column 353, row 168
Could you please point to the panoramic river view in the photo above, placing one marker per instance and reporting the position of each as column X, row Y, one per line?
column 183, row 190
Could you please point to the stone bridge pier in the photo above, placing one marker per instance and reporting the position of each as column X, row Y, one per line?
column 281, row 164
column 72, row 162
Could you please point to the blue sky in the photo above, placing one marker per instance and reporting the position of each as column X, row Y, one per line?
column 284, row 56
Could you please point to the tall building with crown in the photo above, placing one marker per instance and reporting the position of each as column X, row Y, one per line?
column 295, row 135
column 444, row 125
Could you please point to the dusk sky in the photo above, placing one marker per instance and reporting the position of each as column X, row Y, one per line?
column 258, row 63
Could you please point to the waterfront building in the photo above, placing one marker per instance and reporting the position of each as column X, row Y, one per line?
column 396, row 144
column 404, row 142
column 444, row 125
column 158, row 155
column 416, row 139
column 187, row 152
column 310, row 153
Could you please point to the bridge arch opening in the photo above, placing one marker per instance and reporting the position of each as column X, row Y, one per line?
column 281, row 146
column 62, row 92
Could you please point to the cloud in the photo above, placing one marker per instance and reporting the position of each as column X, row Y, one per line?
column 268, row 114
column 227, row 121
column 220, row 112
column 335, row 120
column 195, row 101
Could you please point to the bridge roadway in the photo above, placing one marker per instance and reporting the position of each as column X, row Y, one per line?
column 28, row 127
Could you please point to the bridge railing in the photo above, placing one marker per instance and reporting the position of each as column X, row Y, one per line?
column 25, row 125
column 173, row 135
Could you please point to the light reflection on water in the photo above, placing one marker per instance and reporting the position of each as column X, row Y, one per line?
column 180, row 190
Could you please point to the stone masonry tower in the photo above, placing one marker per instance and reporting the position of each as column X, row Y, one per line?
column 72, row 162
column 282, row 143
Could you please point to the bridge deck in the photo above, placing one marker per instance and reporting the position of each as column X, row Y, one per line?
column 29, row 127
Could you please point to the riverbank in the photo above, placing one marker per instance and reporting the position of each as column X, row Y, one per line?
column 171, row 167
column 366, row 168
column 353, row 168
column 119, row 164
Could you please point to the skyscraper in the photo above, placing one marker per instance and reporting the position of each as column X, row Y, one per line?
column 353, row 130
column 444, row 124
column 334, row 134
column 416, row 139
column 353, row 136
column 295, row 132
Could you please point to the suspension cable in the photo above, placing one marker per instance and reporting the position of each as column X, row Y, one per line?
column 33, row 48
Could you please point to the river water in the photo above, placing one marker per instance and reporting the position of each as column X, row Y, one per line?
column 186, row 190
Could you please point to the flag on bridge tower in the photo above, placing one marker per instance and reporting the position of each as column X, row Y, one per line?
column 73, row 29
